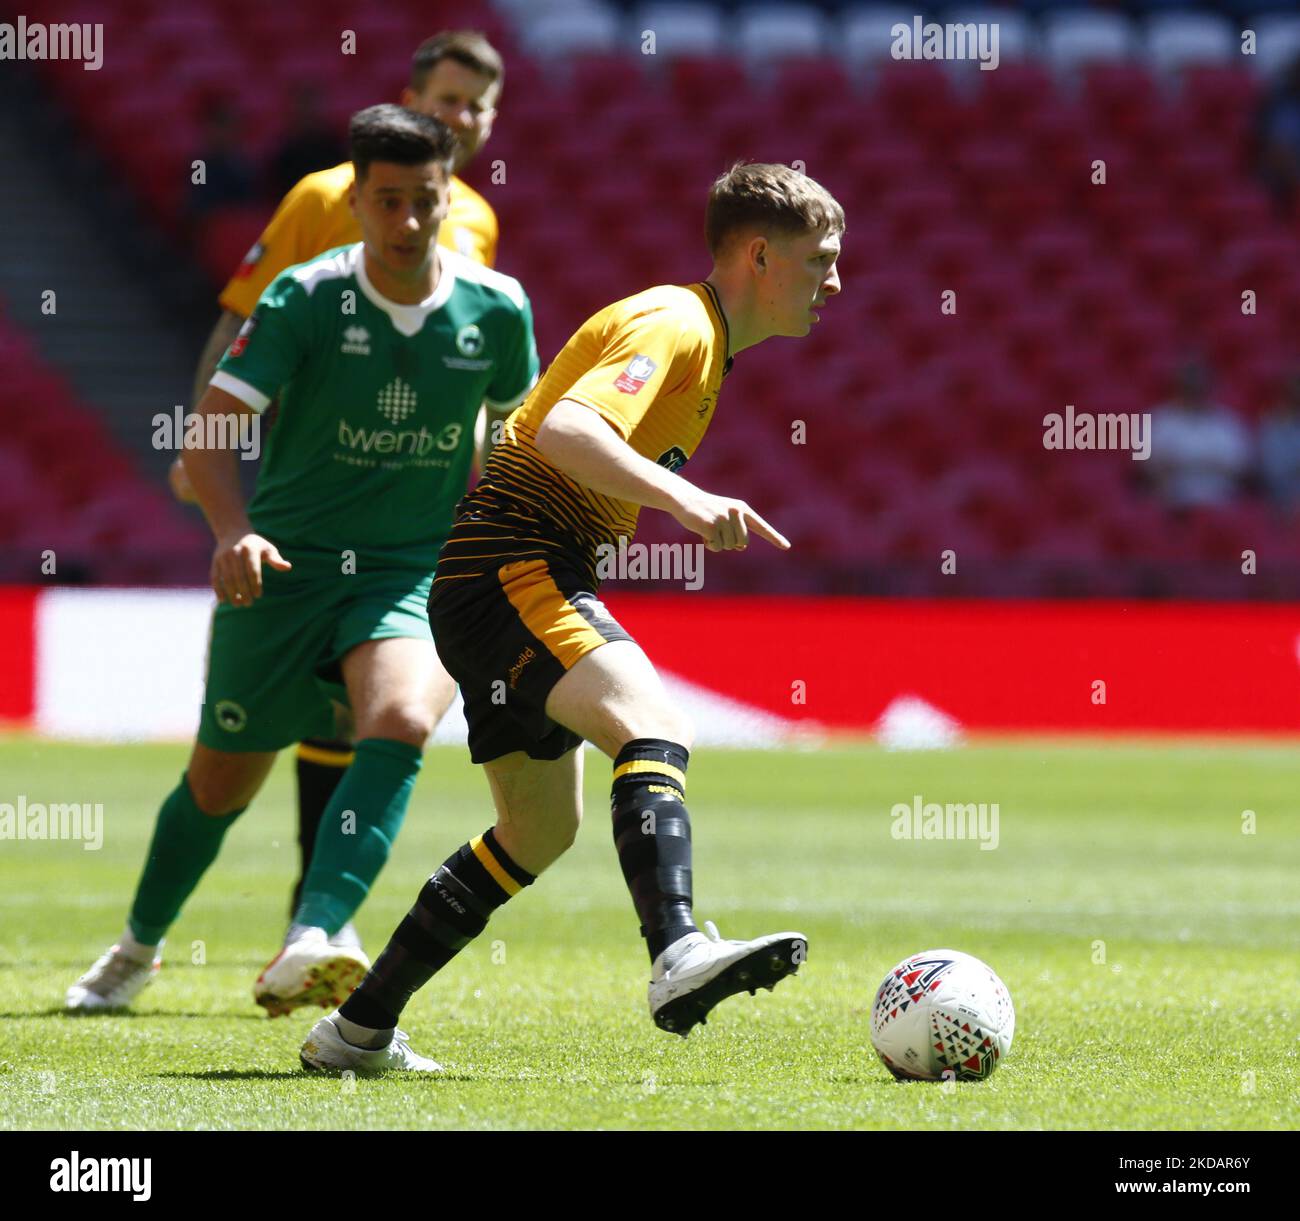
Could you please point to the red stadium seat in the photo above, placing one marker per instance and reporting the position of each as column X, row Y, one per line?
column 803, row 86
column 922, row 427
column 701, row 82
column 226, row 236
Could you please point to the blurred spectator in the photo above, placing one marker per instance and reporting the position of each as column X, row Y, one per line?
column 1200, row 450
column 1279, row 448
column 1277, row 130
column 229, row 175
column 310, row 144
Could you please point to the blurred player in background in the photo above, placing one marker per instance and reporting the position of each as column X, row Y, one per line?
column 456, row 76
column 540, row 661
column 382, row 354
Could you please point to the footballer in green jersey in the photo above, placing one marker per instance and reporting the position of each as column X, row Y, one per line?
column 374, row 434
column 380, row 355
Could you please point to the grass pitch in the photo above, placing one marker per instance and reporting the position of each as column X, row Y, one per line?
column 1149, row 941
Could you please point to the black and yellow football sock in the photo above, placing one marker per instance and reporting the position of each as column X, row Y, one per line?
column 652, row 832
column 452, row 909
column 321, row 765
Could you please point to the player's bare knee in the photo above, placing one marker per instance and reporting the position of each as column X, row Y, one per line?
column 441, row 699
column 409, row 723
column 216, row 795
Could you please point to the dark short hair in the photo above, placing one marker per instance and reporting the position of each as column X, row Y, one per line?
column 467, row 47
column 768, row 199
column 393, row 133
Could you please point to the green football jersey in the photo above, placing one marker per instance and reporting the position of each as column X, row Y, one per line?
column 374, row 432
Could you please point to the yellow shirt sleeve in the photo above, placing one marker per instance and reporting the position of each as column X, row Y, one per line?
column 471, row 225
column 292, row 236
column 658, row 353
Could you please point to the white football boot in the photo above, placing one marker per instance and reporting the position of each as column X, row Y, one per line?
column 309, row 971
column 694, row 974
column 114, row 981
column 327, row 1050
column 348, row 938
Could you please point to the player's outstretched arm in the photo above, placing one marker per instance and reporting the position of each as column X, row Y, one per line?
column 579, row 442
column 214, row 475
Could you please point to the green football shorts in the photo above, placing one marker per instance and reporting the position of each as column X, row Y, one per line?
column 273, row 672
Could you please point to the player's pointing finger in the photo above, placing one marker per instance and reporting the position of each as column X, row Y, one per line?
column 764, row 531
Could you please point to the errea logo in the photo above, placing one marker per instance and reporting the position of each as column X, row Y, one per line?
column 356, row 341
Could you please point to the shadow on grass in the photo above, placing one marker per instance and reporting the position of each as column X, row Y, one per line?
column 79, row 964
column 90, row 1015
column 260, row 1074
column 235, row 1074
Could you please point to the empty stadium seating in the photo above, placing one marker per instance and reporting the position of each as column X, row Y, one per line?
column 923, row 428
column 66, row 489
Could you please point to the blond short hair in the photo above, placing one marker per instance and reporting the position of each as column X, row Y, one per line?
column 771, row 199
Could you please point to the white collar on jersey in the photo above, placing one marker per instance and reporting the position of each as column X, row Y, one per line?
column 407, row 319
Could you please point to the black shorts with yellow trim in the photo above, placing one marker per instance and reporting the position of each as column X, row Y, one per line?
column 507, row 637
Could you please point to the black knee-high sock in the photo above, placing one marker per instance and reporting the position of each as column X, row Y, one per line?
column 321, row 765
column 452, row 909
column 652, row 832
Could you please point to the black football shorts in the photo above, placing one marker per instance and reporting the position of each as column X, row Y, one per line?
column 507, row 636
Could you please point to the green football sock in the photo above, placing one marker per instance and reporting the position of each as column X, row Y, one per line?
column 360, row 824
column 185, row 842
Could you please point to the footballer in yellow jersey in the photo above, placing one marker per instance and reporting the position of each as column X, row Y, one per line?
column 456, row 76
column 543, row 665
column 651, row 366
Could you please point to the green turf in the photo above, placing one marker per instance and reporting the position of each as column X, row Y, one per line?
column 1191, row 1022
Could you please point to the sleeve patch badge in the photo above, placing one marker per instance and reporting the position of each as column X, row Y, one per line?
column 673, row 459
column 640, row 369
column 251, row 260
column 241, row 340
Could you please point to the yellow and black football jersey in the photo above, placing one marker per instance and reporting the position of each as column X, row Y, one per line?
column 315, row 217
column 651, row 366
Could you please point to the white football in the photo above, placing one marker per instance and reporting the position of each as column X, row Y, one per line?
column 942, row 1015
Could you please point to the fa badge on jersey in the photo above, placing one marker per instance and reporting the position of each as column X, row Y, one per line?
column 251, row 260
column 640, row 369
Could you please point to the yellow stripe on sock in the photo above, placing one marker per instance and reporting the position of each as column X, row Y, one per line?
column 327, row 758
column 632, row 766
column 489, row 862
